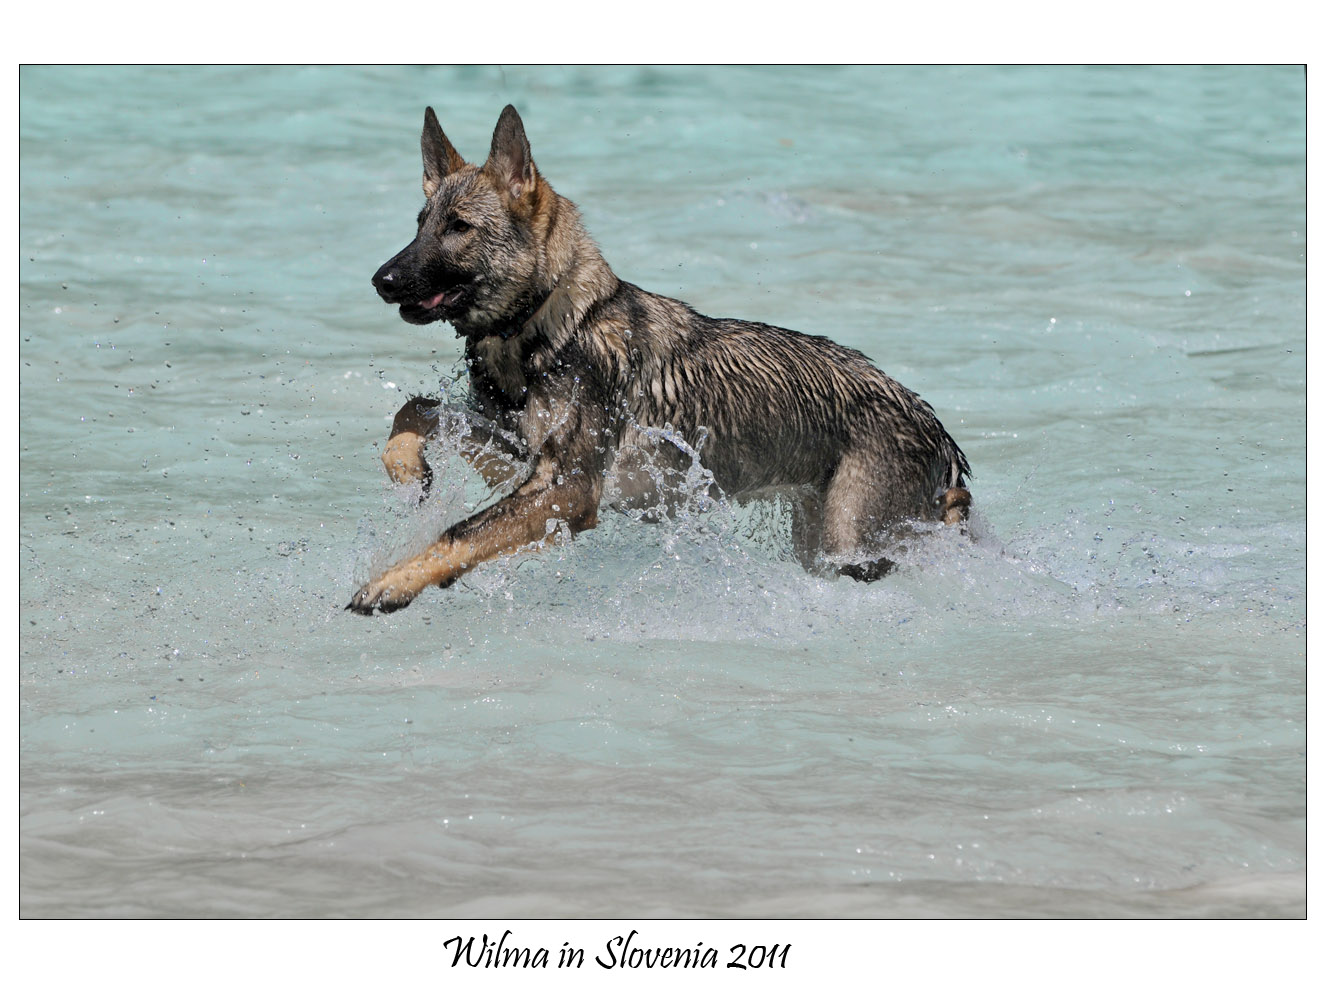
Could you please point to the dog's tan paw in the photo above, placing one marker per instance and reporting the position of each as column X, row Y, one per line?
column 386, row 594
column 404, row 460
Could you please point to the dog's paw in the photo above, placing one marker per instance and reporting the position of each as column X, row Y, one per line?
column 868, row 572
column 404, row 461
column 380, row 595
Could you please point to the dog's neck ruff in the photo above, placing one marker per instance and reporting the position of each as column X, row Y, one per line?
column 509, row 327
column 553, row 314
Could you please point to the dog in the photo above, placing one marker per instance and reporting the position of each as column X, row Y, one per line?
column 575, row 374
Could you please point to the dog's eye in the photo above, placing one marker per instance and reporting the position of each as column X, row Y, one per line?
column 458, row 225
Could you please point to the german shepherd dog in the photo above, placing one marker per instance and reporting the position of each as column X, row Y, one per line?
column 574, row 374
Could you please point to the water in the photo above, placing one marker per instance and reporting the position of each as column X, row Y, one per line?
column 1096, row 276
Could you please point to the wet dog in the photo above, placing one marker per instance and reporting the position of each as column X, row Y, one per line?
column 575, row 373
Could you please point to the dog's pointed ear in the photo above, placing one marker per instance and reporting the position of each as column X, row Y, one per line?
column 440, row 157
column 509, row 158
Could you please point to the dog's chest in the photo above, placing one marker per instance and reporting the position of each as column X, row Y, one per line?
column 498, row 372
column 522, row 395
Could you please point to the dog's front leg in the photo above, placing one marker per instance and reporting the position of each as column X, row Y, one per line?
column 403, row 457
column 490, row 453
column 527, row 517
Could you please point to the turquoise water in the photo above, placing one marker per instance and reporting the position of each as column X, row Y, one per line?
column 1096, row 277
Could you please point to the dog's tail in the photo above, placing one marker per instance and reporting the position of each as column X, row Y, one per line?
column 953, row 504
column 952, row 500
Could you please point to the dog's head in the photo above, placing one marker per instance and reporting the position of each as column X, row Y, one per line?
column 477, row 257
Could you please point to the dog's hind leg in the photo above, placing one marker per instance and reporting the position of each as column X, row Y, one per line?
column 855, row 514
column 811, row 547
column 808, row 521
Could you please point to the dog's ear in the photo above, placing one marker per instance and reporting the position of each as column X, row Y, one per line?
column 509, row 158
column 440, row 157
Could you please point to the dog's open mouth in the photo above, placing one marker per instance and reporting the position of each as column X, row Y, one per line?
column 446, row 298
column 443, row 305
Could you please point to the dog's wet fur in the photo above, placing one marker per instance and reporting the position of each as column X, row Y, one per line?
column 573, row 373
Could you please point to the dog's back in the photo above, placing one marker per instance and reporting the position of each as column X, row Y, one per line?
column 777, row 411
column 781, row 406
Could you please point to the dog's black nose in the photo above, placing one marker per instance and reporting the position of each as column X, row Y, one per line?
column 387, row 280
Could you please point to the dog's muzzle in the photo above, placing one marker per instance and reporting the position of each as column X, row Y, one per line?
column 424, row 295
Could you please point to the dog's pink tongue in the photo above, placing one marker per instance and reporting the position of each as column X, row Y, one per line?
column 432, row 302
